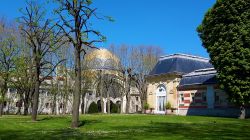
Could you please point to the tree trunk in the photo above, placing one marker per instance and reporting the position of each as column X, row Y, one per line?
column 142, row 106
column 108, row 99
column 121, row 107
column 65, row 96
column 2, row 99
column 82, row 105
column 26, row 101
column 65, row 101
column 36, row 93
column 19, row 109
column 127, row 103
column 242, row 112
column 1, row 108
column 20, row 103
column 77, row 93
column 54, row 105
column 26, row 107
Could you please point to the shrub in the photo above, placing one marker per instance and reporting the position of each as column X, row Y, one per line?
column 93, row 108
column 168, row 105
column 146, row 106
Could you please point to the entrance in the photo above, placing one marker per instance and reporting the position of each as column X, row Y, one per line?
column 160, row 99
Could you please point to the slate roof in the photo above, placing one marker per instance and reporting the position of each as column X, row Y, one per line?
column 199, row 77
column 179, row 64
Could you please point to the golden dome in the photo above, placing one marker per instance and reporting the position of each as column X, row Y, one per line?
column 101, row 54
column 101, row 59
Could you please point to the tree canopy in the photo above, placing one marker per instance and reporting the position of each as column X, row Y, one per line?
column 225, row 33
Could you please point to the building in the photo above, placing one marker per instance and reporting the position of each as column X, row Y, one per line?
column 106, row 82
column 103, row 82
column 188, row 83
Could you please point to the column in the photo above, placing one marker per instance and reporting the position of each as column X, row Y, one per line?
column 104, row 106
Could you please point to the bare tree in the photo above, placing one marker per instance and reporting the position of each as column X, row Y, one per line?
column 42, row 38
column 136, row 62
column 76, row 28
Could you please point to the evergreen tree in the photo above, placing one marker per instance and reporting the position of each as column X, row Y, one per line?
column 225, row 33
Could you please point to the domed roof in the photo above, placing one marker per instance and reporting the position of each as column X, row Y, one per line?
column 101, row 59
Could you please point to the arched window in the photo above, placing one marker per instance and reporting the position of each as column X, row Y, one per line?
column 161, row 89
column 160, row 99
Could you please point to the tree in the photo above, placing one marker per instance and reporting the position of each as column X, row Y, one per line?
column 225, row 33
column 8, row 54
column 43, row 38
column 137, row 62
column 75, row 18
column 146, row 57
column 23, row 80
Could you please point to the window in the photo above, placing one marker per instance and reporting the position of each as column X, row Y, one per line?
column 161, row 88
column 217, row 97
column 12, row 90
column 60, row 106
column 204, row 97
column 4, row 104
column 181, row 97
column 192, row 95
column 19, row 104
column 47, row 105
column 137, row 98
column 136, row 108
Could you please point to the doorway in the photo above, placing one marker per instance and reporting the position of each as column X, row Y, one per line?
column 160, row 99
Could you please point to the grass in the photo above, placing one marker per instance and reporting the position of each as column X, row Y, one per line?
column 124, row 127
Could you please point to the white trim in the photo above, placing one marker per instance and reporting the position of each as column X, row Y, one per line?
column 180, row 55
column 210, row 71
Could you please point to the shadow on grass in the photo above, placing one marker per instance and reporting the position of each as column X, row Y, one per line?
column 164, row 130
column 47, row 133
column 42, row 134
column 89, row 122
column 151, row 130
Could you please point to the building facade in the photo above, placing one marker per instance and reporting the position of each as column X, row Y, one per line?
column 103, row 82
column 188, row 85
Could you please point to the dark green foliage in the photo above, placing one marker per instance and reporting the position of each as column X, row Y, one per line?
column 93, row 108
column 225, row 33
column 146, row 106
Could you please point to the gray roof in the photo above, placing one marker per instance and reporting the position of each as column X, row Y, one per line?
column 199, row 77
column 180, row 64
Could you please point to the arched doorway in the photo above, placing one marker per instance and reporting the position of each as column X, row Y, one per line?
column 99, row 106
column 160, row 99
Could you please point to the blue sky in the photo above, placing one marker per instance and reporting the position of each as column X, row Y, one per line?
column 170, row 24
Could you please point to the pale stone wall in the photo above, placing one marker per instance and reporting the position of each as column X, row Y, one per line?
column 170, row 82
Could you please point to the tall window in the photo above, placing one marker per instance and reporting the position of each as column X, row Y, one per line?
column 204, row 97
column 217, row 98
column 181, row 97
column 192, row 95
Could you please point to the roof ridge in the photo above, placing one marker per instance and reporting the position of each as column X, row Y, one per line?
column 183, row 56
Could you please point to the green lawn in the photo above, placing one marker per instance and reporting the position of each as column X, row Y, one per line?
column 124, row 127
